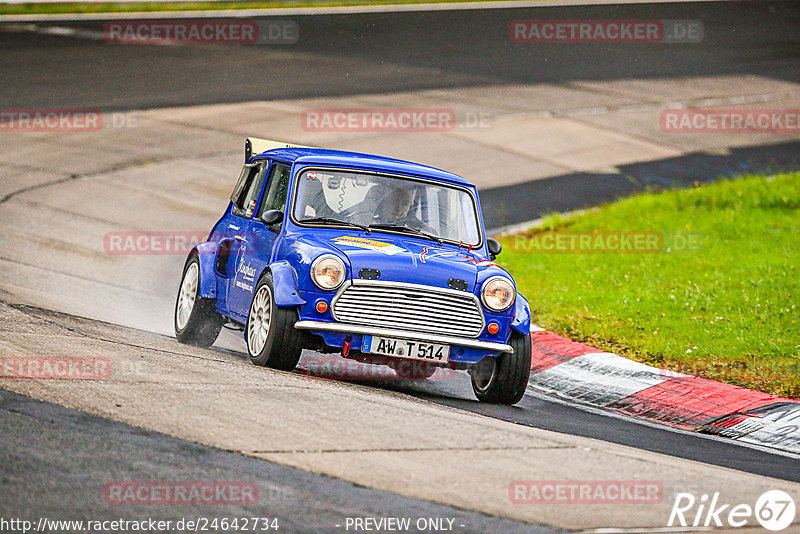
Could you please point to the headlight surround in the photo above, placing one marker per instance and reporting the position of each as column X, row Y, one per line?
column 498, row 293
column 328, row 272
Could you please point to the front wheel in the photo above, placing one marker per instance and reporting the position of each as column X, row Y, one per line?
column 503, row 379
column 196, row 321
column 271, row 337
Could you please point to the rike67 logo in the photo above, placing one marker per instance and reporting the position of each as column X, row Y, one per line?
column 774, row 510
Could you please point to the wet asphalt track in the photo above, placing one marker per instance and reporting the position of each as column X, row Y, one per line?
column 339, row 55
column 356, row 54
column 537, row 411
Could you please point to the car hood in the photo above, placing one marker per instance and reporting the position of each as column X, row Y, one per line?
column 411, row 260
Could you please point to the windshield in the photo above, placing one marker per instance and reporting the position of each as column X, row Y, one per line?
column 389, row 202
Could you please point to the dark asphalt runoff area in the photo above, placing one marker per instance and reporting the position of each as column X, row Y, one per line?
column 57, row 462
column 378, row 52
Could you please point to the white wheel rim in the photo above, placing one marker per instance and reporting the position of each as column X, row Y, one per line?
column 480, row 384
column 187, row 296
column 259, row 321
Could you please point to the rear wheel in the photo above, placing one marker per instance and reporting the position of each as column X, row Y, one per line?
column 196, row 320
column 503, row 379
column 271, row 337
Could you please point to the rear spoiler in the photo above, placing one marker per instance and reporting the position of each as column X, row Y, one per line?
column 254, row 145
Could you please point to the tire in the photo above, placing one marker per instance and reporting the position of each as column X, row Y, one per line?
column 196, row 320
column 413, row 370
column 271, row 337
column 503, row 379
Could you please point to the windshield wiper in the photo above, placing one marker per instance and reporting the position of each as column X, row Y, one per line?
column 407, row 228
column 331, row 220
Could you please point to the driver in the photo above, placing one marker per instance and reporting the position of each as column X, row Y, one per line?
column 394, row 207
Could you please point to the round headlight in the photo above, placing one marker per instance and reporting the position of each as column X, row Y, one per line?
column 497, row 293
column 327, row 272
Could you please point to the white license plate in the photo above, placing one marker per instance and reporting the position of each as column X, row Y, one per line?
column 402, row 348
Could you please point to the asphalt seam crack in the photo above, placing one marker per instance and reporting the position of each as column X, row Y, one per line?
column 65, row 179
column 114, row 168
column 40, row 205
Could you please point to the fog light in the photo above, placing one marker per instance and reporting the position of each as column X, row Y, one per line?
column 493, row 328
column 322, row 306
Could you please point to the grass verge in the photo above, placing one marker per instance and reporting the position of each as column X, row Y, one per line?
column 48, row 8
column 708, row 284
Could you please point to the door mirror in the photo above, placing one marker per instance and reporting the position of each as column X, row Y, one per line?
column 272, row 217
column 494, row 247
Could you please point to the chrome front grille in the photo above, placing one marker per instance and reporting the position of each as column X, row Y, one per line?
column 411, row 307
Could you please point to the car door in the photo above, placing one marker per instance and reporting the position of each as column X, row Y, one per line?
column 252, row 250
column 244, row 201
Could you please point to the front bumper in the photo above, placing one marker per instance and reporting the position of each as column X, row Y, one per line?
column 403, row 334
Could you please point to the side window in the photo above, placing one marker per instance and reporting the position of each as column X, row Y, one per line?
column 277, row 189
column 245, row 195
column 246, row 175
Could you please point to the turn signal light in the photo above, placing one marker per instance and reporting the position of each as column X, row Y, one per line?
column 322, row 306
column 493, row 328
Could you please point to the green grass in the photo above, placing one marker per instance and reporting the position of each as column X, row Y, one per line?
column 34, row 8
column 727, row 311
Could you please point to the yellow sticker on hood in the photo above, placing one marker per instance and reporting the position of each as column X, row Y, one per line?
column 370, row 244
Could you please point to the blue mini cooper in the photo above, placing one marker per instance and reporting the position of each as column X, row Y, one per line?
column 381, row 260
